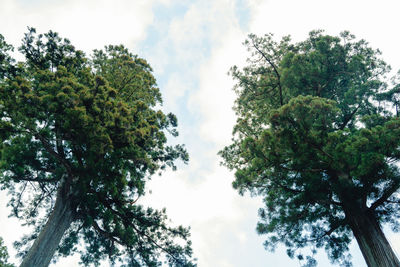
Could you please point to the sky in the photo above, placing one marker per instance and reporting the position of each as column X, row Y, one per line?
column 191, row 45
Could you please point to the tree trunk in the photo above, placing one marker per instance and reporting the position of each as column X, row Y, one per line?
column 45, row 245
column 373, row 244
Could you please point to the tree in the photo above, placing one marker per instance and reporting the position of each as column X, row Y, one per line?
column 318, row 137
column 80, row 138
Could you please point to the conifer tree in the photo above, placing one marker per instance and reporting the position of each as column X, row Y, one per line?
column 318, row 138
column 80, row 138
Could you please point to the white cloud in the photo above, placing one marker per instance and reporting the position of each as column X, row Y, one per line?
column 377, row 22
column 88, row 24
column 210, row 28
column 189, row 203
column 176, row 89
column 214, row 100
column 208, row 36
column 215, row 213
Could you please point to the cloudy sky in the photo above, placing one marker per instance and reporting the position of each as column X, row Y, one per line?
column 191, row 45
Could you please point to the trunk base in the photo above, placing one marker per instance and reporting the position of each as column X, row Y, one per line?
column 373, row 244
column 45, row 245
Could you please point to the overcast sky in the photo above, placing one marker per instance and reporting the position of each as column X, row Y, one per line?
column 191, row 45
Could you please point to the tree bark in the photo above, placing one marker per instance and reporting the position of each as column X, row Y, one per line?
column 45, row 245
column 373, row 244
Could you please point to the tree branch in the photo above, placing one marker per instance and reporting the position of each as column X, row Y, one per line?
column 50, row 149
column 127, row 220
column 296, row 125
column 274, row 68
column 349, row 117
column 288, row 189
column 392, row 189
column 329, row 232
column 105, row 233
column 15, row 208
column 31, row 179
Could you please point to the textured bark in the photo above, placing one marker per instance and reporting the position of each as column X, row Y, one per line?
column 373, row 244
column 45, row 245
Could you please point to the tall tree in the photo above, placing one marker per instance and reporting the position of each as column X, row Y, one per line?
column 80, row 138
column 318, row 137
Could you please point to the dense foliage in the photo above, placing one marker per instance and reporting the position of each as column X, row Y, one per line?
column 85, row 133
column 318, row 137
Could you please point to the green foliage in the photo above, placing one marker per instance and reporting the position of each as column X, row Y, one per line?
column 4, row 255
column 90, row 129
column 317, row 136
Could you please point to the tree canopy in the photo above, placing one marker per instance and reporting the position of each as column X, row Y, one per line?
column 80, row 137
column 318, row 137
